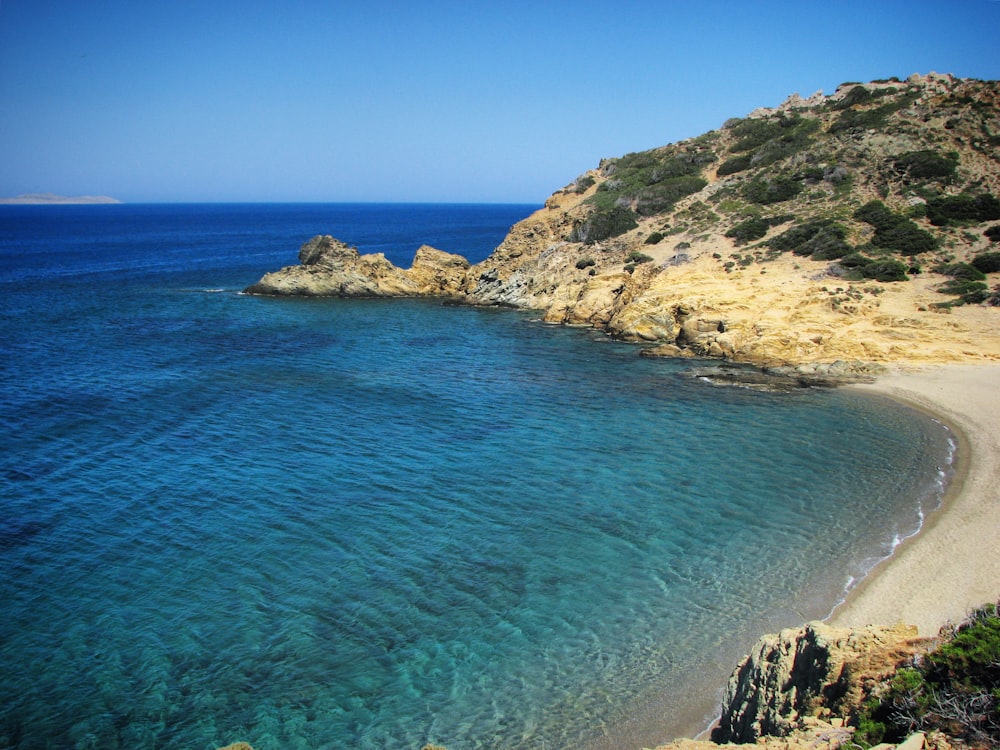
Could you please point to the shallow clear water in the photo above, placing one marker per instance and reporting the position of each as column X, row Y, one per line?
column 370, row 523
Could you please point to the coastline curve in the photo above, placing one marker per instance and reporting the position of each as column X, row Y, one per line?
column 953, row 564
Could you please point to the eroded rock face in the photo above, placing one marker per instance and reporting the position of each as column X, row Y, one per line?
column 811, row 671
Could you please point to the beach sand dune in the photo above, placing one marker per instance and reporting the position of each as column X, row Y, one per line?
column 953, row 565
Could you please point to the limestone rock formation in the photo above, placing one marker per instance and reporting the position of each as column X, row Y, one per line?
column 438, row 273
column 786, row 377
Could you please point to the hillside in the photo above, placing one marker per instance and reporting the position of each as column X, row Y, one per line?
column 858, row 226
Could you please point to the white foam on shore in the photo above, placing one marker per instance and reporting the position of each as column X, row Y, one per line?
column 929, row 502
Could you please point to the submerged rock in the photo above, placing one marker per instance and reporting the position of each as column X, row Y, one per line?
column 781, row 378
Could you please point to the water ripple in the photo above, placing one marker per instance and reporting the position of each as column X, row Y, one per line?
column 372, row 524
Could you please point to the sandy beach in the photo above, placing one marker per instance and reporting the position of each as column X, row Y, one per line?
column 953, row 564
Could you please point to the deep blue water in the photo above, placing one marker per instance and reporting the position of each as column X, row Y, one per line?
column 371, row 523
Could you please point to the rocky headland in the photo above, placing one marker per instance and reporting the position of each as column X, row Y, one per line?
column 859, row 227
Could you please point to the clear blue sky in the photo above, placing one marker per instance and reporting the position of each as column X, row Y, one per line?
column 369, row 100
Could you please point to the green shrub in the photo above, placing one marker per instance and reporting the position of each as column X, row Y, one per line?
column 993, row 234
column 756, row 131
column 661, row 196
column 905, row 238
column 654, row 238
column 972, row 656
column 885, row 271
column 772, row 190
column 963, row 208
column 859, row 95
column 734, row 165
column 787, row 144
column 792, row 238
column 603, row 225
column 893, row 231
column 635, row 171
column 820, row 239
column 585, row 263
column 583, row 183
column 651, row 181
column 749, row 230
column 966, row 289
column 874, row 118
column 962, row 271
column 955, row 688
column 756, row 227
column 864, row 119
column 813, row 174
column 926, row 165
column 827, row 244
column 987, row 262
column 763, row 141
column 875, row 213
column 635, row 257
column 855, row 260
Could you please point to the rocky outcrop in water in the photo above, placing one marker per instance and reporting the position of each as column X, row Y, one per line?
column 787, row 377
column 331, row 268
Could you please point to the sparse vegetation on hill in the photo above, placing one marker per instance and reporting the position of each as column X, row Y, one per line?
column 955, row 689
column 877, row 179
column 894, row 232
column 647, row 183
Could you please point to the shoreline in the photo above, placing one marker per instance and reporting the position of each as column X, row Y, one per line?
column 935, row 574
column 953, row 564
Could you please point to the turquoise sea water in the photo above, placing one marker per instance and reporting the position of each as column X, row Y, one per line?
column 369, row 523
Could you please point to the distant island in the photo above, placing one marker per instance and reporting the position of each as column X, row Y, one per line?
column 44, row 199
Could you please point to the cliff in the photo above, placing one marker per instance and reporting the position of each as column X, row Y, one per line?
column 860, row 226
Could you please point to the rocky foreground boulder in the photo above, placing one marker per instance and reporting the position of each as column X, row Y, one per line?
column 802, row 688
column 816, row 671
